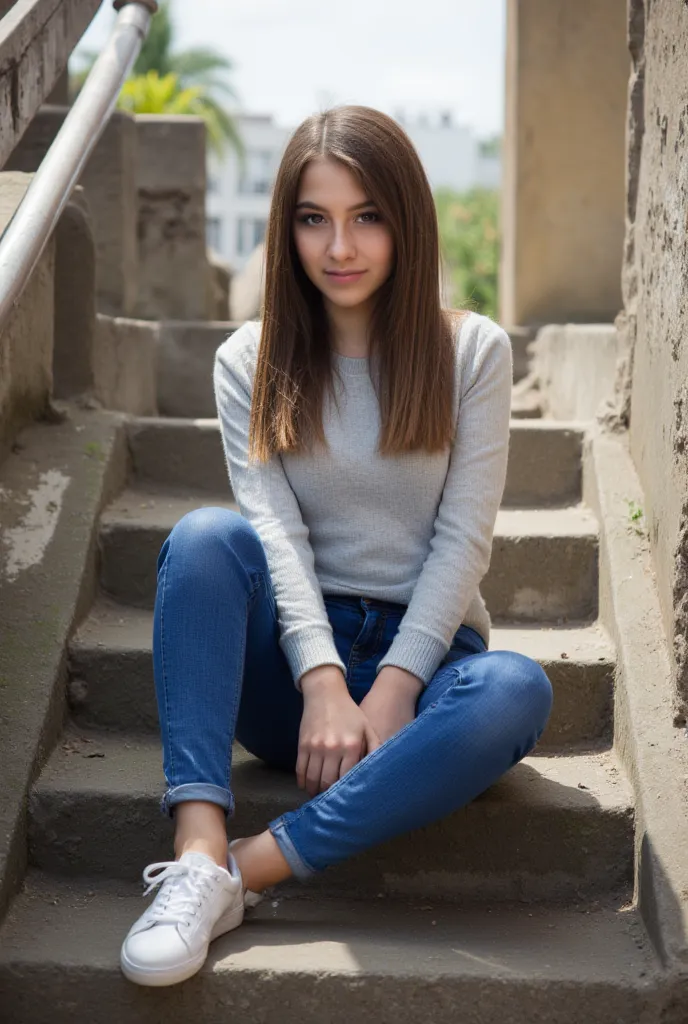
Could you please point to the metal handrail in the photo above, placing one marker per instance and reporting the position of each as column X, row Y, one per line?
column 27, row 234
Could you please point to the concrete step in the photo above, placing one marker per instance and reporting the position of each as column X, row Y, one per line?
column 526, row 409
column 111, row 669
column 549, row 828
column 543, row 569
column 544, row 459
column 306, row 961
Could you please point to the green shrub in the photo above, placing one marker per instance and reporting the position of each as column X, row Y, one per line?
column 469, row 238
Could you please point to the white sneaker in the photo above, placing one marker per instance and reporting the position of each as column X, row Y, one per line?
column 251, row 899
column 197, row 901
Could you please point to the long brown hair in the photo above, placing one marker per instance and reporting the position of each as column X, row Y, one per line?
column 411, row 336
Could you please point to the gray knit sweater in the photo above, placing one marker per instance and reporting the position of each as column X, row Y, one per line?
column 415, row 528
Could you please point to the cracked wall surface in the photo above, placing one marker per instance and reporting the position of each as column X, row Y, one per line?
column 655, row 291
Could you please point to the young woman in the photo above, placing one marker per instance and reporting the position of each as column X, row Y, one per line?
column 334, row 626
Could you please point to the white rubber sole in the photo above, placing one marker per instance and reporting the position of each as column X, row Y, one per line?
column 156, row 977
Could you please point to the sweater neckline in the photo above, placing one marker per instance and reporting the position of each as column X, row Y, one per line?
column 352, row 365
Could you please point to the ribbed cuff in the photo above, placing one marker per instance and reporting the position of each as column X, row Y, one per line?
column 309, row 648
column 416, row 652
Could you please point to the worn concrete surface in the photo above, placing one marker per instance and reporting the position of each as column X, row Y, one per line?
column 567, row 68
column 125, row 364
column 26, row 340
column 247, row 289
column 75, row 299
column 109, row 183
column 174, row 280
column 543, row 568
column 576, row 367
column 36, row 39
column 521, row 341
column 51, row 489
column 310, row 961
column 543, row 468
column 111, row 675
column 219, row 283
column 185, row 367
column 565, row 824
column 654, row 751
column 654, row 283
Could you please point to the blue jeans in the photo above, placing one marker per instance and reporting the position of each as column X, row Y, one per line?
column 220, row 674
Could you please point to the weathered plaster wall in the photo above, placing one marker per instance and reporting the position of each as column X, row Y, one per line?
column 655, row 289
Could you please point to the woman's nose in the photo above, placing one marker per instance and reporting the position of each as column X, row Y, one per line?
column 341, row 244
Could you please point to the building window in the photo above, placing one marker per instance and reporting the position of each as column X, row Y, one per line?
column 256, row 178
column 213, row 233
column 259, row 227
column 250, row 233
column 212, row 185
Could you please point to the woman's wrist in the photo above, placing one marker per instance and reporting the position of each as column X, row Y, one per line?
column 399, row 680
column 322, row 679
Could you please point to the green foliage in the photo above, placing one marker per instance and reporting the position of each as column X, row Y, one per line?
column 165, row 81
column 636, row 517
column 152, row 93
column 469, row 238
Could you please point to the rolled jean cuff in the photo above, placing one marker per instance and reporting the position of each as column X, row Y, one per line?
column 197, row 791
column 299, row 867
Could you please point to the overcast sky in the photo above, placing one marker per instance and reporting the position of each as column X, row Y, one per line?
column 293, row 57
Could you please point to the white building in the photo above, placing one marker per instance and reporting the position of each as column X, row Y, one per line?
column 237, row 204
column 452, row 155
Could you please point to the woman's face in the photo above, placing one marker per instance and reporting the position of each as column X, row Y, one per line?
column 338, row 230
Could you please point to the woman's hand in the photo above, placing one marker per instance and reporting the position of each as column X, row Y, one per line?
column 334, row 735
column 390, row 704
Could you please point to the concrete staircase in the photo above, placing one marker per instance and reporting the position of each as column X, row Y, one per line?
column 517, row 908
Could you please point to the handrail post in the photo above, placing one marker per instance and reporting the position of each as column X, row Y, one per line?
column 25, row 238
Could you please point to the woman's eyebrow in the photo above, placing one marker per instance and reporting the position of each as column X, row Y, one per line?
column 314, row 206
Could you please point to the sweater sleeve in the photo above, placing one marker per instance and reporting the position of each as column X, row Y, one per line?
column 461, row 546
column 267, row 500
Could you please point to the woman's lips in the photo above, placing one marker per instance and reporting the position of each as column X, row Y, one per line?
column 345, row 278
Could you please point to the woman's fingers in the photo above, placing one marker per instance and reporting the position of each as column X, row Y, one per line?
column 330, row 769
column 314, row 773
column 372, row 739
column 302, row 766
column 352, row 755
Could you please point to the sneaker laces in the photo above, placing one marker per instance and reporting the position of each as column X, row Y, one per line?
column 180, row 887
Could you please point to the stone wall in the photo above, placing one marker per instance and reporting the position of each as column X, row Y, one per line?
column 655, row 291
column 109, row 179
column 174, row 281
column 35, row 43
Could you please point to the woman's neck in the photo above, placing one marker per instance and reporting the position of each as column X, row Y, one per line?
column 349, row 329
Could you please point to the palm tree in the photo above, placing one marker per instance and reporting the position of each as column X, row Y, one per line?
column 165, row 81
column 163, row 94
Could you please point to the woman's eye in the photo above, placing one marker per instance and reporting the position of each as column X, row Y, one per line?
column 307, row 219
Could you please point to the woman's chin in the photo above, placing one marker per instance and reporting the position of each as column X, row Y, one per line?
column 351, row 300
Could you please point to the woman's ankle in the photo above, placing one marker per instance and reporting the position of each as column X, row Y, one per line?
column 200, row 827
column 260, row 861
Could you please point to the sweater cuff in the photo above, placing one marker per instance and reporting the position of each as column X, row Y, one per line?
column 417, row 652
column 308, row 648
